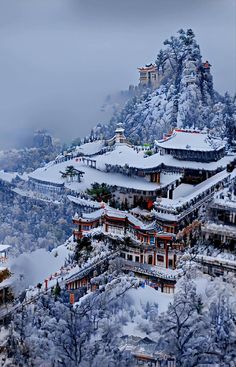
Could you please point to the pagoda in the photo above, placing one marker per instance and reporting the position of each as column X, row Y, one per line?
column 148, row 76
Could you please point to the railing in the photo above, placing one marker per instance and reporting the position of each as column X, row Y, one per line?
column 187, row 211
column 224, row 206
column 220, row 230
column 83, row 272
column 216, row 263
column 192, row 207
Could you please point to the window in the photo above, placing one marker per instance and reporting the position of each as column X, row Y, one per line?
column 152, row 240
column 137, row 259
column 130, row 257
column 171, row 363
column 160, row 258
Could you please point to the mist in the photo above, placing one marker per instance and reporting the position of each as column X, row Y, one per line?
column 61, row 58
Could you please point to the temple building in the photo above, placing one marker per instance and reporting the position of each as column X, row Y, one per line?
column 149, row 76
column 175, row 213
column 220, row 228
column 192, row 146
column 119, row 137
column 147, row 251
column 4, row 252
column 5, row 276
column 206, row 66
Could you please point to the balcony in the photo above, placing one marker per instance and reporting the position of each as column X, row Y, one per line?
column 219, row 229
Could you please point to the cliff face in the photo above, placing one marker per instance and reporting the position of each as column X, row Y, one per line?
column 185, row 98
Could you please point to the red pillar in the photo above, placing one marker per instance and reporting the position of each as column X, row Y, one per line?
column 167, row 257
column 46, row 284
column 154, row 258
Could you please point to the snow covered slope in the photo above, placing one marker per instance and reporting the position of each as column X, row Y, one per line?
column 186, row 97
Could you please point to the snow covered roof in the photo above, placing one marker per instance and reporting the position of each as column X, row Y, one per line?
column 51, row 174
column 91, row 148
column 226, row 203
column 84, row 202
column 110, row 212
column 191, row 140
column 4, row 247
column 94, row 215
column 153, row 270
column 123, row 155
column 119, row 128
column 229, row 230
column 140, row 212
column 225, row 199
column 148, row 67
column 196, row 190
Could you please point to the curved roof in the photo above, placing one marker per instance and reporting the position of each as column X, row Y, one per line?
column 191, row 140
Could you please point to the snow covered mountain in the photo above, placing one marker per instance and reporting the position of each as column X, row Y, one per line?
column 184, row 98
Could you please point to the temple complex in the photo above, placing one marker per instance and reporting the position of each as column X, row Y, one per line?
column 186, row 170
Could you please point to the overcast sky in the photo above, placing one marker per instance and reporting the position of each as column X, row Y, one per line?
column 60, row 58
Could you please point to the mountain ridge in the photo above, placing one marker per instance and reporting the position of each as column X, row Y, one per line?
column 185, row 98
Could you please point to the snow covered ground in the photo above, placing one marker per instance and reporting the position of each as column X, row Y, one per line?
column 139, row 298
column 141, row 295
column 33, row 267
column 9, row 176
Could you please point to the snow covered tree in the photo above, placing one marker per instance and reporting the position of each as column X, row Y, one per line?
column 182, row 329
column 229, row 118
column 161, row 61
column 222, row 318
column 185, row 97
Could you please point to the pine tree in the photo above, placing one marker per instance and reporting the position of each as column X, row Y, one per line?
column 57, row 290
